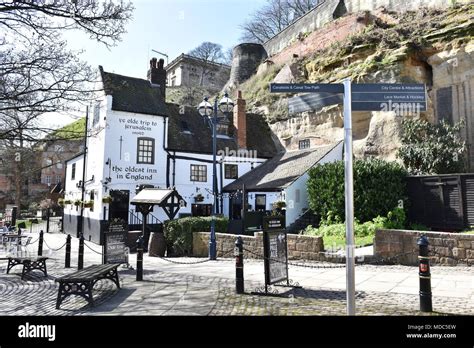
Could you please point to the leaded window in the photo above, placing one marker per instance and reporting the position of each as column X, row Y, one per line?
column 146, row 151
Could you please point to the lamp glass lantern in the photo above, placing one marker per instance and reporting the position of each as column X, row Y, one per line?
column 226, row 104
column 205, row 108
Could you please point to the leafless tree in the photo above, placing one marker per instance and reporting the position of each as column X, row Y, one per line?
column 208, row 53
column 38, row 73
column 273, row 17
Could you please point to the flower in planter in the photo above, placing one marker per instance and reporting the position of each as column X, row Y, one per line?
column 88, row 204
column 77, row 202
column 279, row 205
column 199, row 198
column 61, row 202
column 107, row 199
column 67, row 201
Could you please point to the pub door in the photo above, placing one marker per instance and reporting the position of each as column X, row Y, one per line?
column 119, row 207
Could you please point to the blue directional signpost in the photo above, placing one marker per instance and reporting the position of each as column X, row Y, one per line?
column 400, row 98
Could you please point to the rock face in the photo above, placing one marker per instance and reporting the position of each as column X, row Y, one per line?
column 430, row 46
column 453, row 89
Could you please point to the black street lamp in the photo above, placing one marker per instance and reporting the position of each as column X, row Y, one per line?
column 207, row 110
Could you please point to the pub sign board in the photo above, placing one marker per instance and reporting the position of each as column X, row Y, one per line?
column 275, row 250
column 114, row 246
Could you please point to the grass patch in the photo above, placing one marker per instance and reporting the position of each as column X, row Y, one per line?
column 336, row 242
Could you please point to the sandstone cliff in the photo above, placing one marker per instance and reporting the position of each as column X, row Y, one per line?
column 430, row 46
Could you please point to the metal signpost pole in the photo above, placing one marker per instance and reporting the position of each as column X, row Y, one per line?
column 349, row 194
column 212, row 239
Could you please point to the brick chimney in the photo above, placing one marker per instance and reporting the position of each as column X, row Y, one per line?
column 240, row 121
column 157, row 74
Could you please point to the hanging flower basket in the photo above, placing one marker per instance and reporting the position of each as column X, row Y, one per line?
column 88, row 204
column 77, row 202
column 199, row 198
column 61, row 202
column 67, row 201
column 107, row 199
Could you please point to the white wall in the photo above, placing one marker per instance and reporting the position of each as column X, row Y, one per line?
column 71, row 191
column 188, row 189
column 297, row 194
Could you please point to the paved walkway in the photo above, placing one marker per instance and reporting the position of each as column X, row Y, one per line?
column 208, row 289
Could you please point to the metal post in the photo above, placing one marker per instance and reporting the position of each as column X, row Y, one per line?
column 68, row 252
column 212, row 239
column 425, row 275
column 239, row 265
column 80, row 261
column 14, row 216
column 349, row 193
column 140, row 258
column 40, row 244
column 48, row 214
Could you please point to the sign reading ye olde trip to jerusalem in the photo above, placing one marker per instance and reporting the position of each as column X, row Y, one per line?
column 134, row 173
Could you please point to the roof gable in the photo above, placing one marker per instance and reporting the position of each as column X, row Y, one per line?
column 280, row 171
column 131, row 94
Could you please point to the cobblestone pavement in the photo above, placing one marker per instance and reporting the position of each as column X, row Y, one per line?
column 208, row 289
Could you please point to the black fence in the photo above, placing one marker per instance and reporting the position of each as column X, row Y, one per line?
column 442, row 202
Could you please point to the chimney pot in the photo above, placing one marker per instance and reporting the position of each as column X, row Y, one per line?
column 157, row 75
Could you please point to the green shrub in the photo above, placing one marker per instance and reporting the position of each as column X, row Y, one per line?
column 334, row 228
column 378, row 186
column 179, row 233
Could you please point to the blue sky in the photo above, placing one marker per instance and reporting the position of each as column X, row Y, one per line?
column 169, row 26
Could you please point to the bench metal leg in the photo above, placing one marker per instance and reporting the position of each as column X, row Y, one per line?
column 111, row 275
column 12, row 263
column 29, row 266
column 83, row 289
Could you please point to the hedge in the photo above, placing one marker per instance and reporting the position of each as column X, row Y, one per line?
column 378, row 186
column 179, row 233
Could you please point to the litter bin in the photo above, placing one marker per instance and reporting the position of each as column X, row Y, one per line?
column 157, row 246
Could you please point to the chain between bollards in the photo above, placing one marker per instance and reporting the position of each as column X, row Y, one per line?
column 68, row 252
column 80, row 262
column 239, row 265
column 140, row 258
column 425, row 275
column 40, row 244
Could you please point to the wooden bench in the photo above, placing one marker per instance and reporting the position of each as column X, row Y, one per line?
column 81, row 282
column 29, row 264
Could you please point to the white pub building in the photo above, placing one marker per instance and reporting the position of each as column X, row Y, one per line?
column 136, row 138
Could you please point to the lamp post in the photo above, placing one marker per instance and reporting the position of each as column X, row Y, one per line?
column 207, row 110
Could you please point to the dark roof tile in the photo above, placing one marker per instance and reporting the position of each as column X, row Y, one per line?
column 280, row 171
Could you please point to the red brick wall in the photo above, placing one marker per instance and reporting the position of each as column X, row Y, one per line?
column 335, row 31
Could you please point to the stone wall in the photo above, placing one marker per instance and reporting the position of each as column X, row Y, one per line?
column 445, row 248
column 246, row 58
column 328, row 10
column 299, row 247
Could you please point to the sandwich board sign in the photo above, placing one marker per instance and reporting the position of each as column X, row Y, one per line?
column 275, row 250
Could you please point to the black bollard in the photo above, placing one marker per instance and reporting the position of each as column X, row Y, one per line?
column 40, row 244
column 68, row 251
column 48, row 213
column 425, row 275
column 239, row 265
column 80, row 261
column 140, row 258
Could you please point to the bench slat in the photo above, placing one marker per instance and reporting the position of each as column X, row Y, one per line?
column 88, row 273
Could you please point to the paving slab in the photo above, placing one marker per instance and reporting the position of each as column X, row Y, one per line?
column 185, row 288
